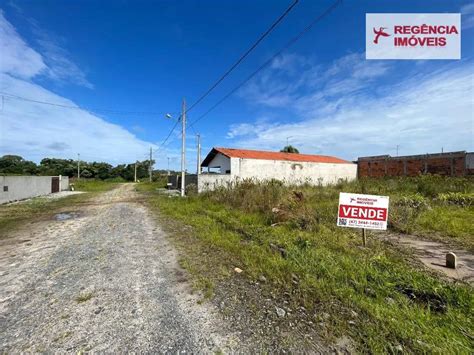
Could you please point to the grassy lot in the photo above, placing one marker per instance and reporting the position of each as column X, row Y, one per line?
column 14, row 214
column 94, row 185
column 288, row 235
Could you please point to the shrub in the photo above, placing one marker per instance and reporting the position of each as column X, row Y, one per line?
column 191, row 190
column 404, row 211
column 457, row 198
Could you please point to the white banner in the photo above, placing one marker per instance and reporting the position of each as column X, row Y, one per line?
column 413, row 36
column 362, row 211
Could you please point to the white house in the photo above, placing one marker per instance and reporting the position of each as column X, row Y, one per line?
column 227, row 165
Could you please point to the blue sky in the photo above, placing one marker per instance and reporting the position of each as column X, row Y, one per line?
column 145, row 56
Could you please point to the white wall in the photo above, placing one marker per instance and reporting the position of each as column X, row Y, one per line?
column 289, row 172
column 21, row 187
column 293, row 172
column 221, row 161
column 211, row 181
column 63, row 183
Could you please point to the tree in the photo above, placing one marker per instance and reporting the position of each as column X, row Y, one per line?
column 289, row 149
column 14, row 164
column 86, row 174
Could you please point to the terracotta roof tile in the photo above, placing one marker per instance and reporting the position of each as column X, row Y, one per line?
column 260, row 154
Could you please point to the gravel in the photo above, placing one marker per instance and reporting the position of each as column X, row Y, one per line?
column 105, row 280
column 61, row 194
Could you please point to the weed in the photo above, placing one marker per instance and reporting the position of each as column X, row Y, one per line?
column 457, row 199
column 15, row 214
column 92, row 185
column 264, row 229
column 84, row 297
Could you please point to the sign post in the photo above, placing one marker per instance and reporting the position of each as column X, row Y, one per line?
column 363, row 211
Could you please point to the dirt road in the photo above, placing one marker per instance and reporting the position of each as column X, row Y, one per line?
column 105, row 279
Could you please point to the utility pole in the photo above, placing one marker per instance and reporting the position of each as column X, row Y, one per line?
column 168, row 166
column 135, row 175
column 398, row 146
column 198, row 154
column 78, row 166
column 183, row 147
column 150, row 167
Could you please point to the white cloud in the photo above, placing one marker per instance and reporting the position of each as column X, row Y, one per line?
column 16, row 57
column 20, row 60
column 467, row 16
column 35, row 131
column 348, row 114
column 60, row 66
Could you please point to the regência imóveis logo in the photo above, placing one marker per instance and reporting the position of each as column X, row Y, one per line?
column 413, row 36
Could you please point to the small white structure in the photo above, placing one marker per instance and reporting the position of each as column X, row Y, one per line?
column 14, row 188
column 227, row 165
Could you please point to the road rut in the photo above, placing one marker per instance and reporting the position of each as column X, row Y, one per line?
column 105, row 280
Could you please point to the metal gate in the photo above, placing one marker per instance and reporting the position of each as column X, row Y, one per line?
column 54, row 184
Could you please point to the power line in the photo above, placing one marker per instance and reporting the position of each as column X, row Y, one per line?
column 169, row 135
column 270, row 60
column 89, row 109
column 228, row 71
column 247, row 52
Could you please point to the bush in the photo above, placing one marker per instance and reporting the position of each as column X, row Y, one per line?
column 457, row 198
column 249, row 195
column 405, row 210
column 191, row 190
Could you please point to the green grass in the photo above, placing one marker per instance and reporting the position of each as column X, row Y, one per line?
column 146, row 186
column 454, row 222
column 84, row 297
column 396, row 302
column 15, row 214
column 94, row 185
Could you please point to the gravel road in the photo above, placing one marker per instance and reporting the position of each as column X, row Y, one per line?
column 105, row 280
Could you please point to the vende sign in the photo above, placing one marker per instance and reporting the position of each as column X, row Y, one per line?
column 413, row 36
column 362, row 211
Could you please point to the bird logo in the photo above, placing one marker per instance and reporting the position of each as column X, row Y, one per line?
column 379, row 33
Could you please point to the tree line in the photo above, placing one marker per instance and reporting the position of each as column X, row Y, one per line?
column 16, row 165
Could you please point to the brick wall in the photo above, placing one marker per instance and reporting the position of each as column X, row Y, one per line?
column 448, row 164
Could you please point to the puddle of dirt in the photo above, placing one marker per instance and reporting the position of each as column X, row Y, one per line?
column 64, row 216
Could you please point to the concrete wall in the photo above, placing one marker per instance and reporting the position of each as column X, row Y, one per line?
column 292, row 172
column 22, row 187
column 470, row 164
column 208, row 182
column 289, row 172
column 64, row 183
column 220, row 161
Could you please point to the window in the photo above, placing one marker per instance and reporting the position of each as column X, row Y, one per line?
column 5, row 188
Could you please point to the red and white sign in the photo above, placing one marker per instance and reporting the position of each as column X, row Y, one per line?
column 413, row 36
column 362, row 211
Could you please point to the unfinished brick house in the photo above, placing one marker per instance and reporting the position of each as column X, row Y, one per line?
column 447, row 164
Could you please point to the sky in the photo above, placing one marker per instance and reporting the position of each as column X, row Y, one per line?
column 112, row 70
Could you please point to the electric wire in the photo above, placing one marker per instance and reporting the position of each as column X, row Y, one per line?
column 228, row 71
column 243, row 56
column 88, row 109
column 270, row 60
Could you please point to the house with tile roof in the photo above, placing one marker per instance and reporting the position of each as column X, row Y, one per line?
column 224, row 166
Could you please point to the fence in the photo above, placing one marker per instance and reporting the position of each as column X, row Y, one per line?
column 175, row 181
column 15, row 188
